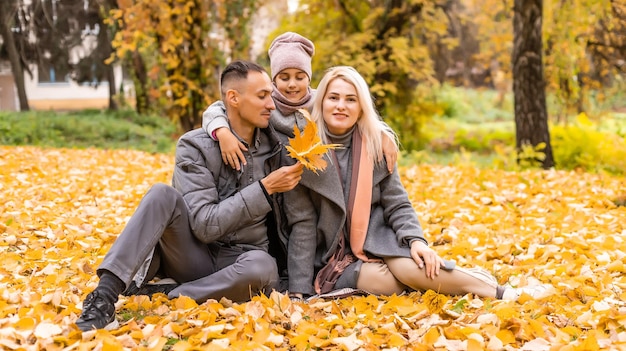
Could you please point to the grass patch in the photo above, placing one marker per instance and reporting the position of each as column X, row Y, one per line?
column 88, row 128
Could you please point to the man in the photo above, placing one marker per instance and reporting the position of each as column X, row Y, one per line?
column 208, row 232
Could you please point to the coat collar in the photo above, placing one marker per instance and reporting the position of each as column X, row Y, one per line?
column 326, row 183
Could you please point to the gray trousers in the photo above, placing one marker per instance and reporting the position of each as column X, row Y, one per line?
column 158, row 239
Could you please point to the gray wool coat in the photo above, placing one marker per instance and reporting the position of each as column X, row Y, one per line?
column 316, row 211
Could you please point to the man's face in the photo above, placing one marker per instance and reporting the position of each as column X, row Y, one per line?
column 255, row 100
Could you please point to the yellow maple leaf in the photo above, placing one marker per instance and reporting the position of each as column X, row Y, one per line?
column 307, row 147
column 434, row 301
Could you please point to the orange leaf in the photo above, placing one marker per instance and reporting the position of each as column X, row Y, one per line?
column 431, row 336
column 434, row 301
column 307, row 146
column 506, row 336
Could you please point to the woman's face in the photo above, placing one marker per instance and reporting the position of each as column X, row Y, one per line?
column 341, row 108
column 292, row 83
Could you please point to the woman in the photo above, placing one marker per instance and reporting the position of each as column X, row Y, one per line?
column 367, row 234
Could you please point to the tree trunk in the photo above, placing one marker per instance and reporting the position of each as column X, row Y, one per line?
column 105, row 38
column 6, row 22
column 112, row 88
column 140, row 78
column 531, row 116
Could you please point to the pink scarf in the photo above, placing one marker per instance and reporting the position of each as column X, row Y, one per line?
column 360, row 198
column 358, row 216
column 285, row 107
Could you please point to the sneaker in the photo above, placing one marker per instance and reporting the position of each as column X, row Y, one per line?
column 98, row 313
column 339, row 294
column 479, row 273
column 149, row 289
column 534, row 291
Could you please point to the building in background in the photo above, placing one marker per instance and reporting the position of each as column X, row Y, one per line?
column 8, row 93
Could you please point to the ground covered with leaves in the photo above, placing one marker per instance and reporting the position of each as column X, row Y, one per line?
column 62, row 209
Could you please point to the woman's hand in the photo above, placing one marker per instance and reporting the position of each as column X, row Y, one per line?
column 424, row 255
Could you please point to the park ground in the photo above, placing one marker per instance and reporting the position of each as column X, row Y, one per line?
column 63, row 206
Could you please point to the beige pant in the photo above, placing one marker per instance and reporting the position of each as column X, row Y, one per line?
column 399, row 273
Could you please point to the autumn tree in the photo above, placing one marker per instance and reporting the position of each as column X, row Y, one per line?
column 455, row 53
column 569, row 67
column 105, row 39
column 74, row 40
column 491, row 22
column 581, row 46
column 177, row 49
column 14, row 45
column 93, row 65
column 237, row 16
column 531, row 115
column 388, row 43
column 607, row 44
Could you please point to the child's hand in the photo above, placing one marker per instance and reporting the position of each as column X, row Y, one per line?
column 232, row 149
column 390, row 152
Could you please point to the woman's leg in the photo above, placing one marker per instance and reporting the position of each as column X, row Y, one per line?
column 375, row 278
column 458, row 281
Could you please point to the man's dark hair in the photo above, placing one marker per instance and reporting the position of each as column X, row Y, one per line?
column 238, row 70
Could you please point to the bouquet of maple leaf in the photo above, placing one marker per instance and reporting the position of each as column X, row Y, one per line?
column 307, row 146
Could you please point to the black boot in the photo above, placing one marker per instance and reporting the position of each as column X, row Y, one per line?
column 149, row 289
column 99, row 305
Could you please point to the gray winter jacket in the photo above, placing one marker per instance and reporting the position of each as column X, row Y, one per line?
column 226, row 205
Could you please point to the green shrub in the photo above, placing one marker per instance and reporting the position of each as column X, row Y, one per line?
column 409, row 123
column 89, row 128
column 474, row 139
column 475, row 106
column 583, row 146
column 468, row 126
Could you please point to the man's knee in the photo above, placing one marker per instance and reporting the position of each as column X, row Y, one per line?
column 163, row 195
column 162, row 191
column 260, row 268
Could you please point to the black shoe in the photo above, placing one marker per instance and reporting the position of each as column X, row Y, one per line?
column 149, row 289
column 98, row 313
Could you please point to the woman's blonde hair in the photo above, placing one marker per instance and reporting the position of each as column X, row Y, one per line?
column 369, row 123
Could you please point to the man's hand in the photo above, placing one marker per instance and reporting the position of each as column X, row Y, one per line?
column 283, row 179
column 422, row 254
column 231, row 148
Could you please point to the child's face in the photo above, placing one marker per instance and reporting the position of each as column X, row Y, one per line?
column 292, row 83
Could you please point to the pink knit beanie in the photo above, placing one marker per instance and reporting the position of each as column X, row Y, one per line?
column 291, row 50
